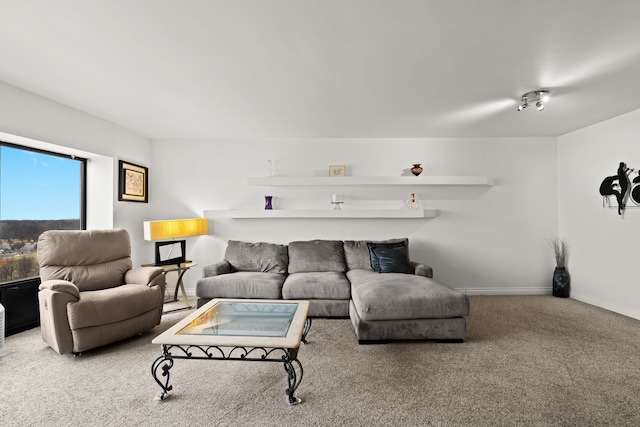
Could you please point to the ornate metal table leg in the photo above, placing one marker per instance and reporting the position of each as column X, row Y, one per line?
column 293, row 378
column 166, row 362
column 305, row 331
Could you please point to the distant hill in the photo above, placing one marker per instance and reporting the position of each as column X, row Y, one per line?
column 29, row 229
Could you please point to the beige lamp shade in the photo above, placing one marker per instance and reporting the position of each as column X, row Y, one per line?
column 175, row 228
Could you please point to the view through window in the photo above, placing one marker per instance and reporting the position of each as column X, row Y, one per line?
column 39, row 191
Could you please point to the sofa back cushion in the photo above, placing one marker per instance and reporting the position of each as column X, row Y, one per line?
column 357, row 254
column 316, row 255
column 257, row 257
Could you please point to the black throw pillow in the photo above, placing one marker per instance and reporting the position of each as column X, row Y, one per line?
column 374, row 258
column 390, row 258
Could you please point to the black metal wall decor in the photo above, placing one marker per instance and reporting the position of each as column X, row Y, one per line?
column 622, row 187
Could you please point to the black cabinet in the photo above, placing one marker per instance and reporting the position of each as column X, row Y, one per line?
column 20, row 301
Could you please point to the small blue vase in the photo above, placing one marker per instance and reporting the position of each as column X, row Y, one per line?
column 267, row 203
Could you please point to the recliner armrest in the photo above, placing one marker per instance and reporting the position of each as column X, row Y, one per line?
column 220, row 267
column 57, row 285
column 54, row 297
column 422, row 270
column 142, row 275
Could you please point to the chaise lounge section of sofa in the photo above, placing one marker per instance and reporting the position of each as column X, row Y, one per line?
column 387, row 296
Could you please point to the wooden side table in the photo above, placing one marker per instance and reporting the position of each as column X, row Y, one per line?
column 180, row 269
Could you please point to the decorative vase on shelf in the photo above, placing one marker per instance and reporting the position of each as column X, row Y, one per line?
column 268, row 203
column 416, row 169
column 412, row 203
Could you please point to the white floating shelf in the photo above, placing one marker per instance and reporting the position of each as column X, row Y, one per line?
column 282, row 181
column 322, row 213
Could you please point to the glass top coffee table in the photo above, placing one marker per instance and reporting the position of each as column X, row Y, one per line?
column 237, row 329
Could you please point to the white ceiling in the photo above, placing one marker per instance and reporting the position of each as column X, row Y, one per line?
column 327, row 68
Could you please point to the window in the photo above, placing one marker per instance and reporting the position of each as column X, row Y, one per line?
column 39, row 191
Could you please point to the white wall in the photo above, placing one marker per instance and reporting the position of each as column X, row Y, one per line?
column 492, row 240
column 34, row 121
column 487, row 240
column 605, row 249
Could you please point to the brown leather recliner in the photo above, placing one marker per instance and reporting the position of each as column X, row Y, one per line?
column 90, row 295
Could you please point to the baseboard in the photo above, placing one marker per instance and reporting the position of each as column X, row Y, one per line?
column 620, row 309
column 506, row 291
column 191, row 292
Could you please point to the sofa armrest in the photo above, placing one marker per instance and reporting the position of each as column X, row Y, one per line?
column 142, row 275
column 422, row 270
column 57, row 285
column 216, row 269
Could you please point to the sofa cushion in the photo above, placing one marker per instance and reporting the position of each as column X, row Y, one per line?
column 396, row 296
column 316, row 255
column 243, row 284
column 390, row 259
column 317, row 285
column 113, row 305
column 356, row 252
column 257, row 257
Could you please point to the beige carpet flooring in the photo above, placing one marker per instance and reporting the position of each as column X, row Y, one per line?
column 528, row 361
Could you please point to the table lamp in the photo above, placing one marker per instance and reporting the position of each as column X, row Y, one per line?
column 173, row 251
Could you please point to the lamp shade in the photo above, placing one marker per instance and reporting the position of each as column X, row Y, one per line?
column 175, row 228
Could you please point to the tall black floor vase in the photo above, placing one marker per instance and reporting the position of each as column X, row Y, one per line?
column 561, row 283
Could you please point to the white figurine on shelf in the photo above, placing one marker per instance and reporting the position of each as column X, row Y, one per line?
column 271, row 168
column 337, row 200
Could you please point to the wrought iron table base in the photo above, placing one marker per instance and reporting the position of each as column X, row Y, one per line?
column 288, row 356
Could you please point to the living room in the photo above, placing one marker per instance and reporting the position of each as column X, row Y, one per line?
column 489, row 240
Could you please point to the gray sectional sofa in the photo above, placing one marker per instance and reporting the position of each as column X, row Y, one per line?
column 387, row 296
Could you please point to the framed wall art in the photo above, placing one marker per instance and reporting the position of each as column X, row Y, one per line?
column 134, row 183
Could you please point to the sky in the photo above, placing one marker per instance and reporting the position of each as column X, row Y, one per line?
column 38, row 186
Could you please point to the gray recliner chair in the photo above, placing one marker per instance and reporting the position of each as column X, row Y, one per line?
column 90, row 295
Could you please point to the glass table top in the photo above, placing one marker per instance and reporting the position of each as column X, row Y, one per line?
column 241, row 322
column 249, row 319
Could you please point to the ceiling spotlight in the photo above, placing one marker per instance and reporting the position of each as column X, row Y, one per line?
column 540, row 97
column 544, row 96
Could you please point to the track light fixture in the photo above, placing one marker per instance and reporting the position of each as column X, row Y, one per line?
column 540, row 97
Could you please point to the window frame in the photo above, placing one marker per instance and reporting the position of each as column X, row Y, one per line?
column 20, row 296
column 83, row 186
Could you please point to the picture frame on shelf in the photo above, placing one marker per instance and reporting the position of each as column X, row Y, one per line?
column 133, row 183
column 337, row 170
